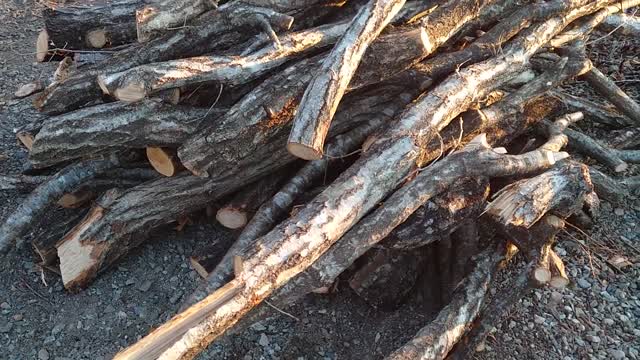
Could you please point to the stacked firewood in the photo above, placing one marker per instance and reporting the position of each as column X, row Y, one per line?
column 351, row 138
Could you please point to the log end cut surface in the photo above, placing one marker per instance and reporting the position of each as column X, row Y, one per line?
column 42, row 46
column 163, row 161
column 231, row 218
column 304, row 152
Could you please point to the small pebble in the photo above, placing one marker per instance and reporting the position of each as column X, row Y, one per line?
column 43, row 354
column 618, row 211
column 18, row 317
column 145, row 286
column 264, row 340
column 538, row 319
column 584, row 283
column 617, row 354
column 5, row 306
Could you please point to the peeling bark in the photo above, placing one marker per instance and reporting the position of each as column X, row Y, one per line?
column 163, row 15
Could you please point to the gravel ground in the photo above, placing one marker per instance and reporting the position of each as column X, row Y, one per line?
column 597, row 316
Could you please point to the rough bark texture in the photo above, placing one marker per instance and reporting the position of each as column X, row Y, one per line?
column 254, row 131
column 136, row 83
column 622, row 23
column 435, row 340
column 212, row 30
column 590, row 147
column 632, row 156
column 607, row 188
column 441, row 216
column 163, row 15
column 417, row 40
column 79, row 26
column 33, row 206
column 293, row 245
column 321, row 98
column 21, row 182
column 124, row 219
column 608, row 89
column 583, row 27
column 46, row 234
column 113, row 126
column 370, row 110
column 591, row 110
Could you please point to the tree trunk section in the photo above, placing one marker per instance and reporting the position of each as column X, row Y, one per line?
column 321, row 98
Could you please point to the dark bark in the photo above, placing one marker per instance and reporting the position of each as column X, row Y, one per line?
column 212, row 30
column 591, row 110
column 590, row 147
column 21, row 182
column 115, row 126
column 56, row 223
column 79, row 26
column 604, row 86
column 441, row 216
column 33, row 206
column 435, row 340
column 607, row 188
column 163, row 15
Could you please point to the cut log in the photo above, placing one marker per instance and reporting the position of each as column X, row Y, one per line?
column 212, row 30
column 530, row 277
column 608, row 188
column 52, row 228
column 387, row 162
column 32, row 207
column 401, row 48
column 387, row 277
column 254, row 132
column 591, row 110
column 583, row 27
column 321, row 98
column 622, row 24
column 604, row 86
column 165, row 15
column 136, row 83
column 240, row 208
column 631, row 156
column 590, row 147
column 78, row 26
column 114, row 126
column 164, row 160
column 627, row 139
column 370, row 109
column 435, row 340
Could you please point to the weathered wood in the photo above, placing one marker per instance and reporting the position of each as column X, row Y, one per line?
column 136, row 83
column 81, row 26
column 254, row 131
column 321, row 98
column 212, row 30
column 122, row 220
column 114, row 126
column 632, row 156
column 604, row 86
column 52, row 228
column 165, row 15
column 628, row 138
column 591, row 110
column 622, row 24
column 414, row 42
column 583, row 27
column 607, row 188
column 503, row 301
column 32, row 207
column 441, row 216
column 435, row 340
column 369, row 109
column 586, row 145
column 241, row 207
column 356, row 191
column 21, row 182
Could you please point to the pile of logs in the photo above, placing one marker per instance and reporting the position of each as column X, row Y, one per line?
column 360, row 139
